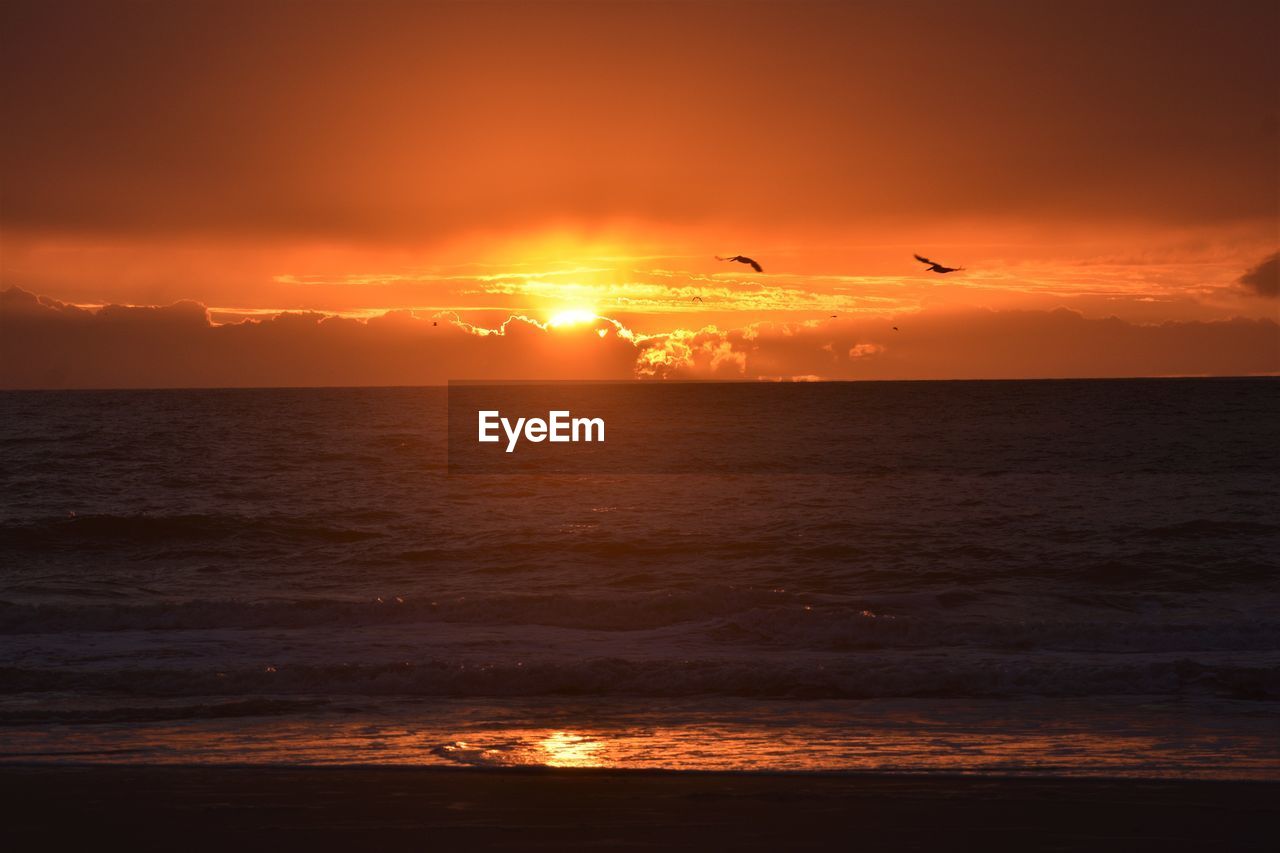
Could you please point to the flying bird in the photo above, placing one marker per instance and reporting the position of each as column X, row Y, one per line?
column 895, row 328
column 934, row 266
column 742, row 259
column 696, row 299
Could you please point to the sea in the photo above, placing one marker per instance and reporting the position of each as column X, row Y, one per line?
column 1062, row 578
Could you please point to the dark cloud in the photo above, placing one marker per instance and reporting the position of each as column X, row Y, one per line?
column 412, row 121
column 1263, row 279
column 971, row 343
column 45, row 343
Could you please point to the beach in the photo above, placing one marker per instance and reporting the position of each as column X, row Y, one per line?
column 445, row 809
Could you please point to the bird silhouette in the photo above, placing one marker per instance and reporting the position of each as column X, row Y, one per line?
column 742, row 259
column 895, row 328
column 934, row 266
column 696, row 299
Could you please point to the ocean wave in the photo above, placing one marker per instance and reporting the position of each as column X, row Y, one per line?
column 257, row 707
column 748, row 618
column 1206, row 528
column 835, row 631
column 854, row 678
column 76, row 531
column 607, row 613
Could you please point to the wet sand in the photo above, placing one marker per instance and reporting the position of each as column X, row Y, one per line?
column 545, row 809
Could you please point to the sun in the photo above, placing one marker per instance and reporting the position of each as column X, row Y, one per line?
column 572, row 317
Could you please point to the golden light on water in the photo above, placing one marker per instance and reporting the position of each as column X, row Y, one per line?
column 1138, row 739
column 565, row 749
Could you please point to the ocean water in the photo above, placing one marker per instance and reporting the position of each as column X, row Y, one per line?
column 1070, row 578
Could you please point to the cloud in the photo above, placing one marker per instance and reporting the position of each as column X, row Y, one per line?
column 48, row 344
column 1263, row 279
column 965, row 344
column 45, row 343
column 865, row 350
column 551, row 112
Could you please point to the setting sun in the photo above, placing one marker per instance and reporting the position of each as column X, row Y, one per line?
column 572, row 317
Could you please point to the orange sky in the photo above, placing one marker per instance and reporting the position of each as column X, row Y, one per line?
column 474, row 161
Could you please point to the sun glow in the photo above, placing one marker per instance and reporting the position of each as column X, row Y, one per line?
column 572, row 317
column 566, row 749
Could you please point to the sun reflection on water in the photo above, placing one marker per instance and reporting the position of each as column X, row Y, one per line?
column 565, row 749
column 1140, row 739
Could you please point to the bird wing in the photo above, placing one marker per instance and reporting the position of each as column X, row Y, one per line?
column 922, row 259
column 755, row 266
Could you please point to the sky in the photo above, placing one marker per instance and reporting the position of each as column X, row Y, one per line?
column 400, row 193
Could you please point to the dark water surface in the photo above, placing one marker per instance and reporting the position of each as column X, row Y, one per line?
column 1056, row 577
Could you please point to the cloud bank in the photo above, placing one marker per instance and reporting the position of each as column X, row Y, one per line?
column 45, row 343
column 1263, row 279
column 287, row 119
